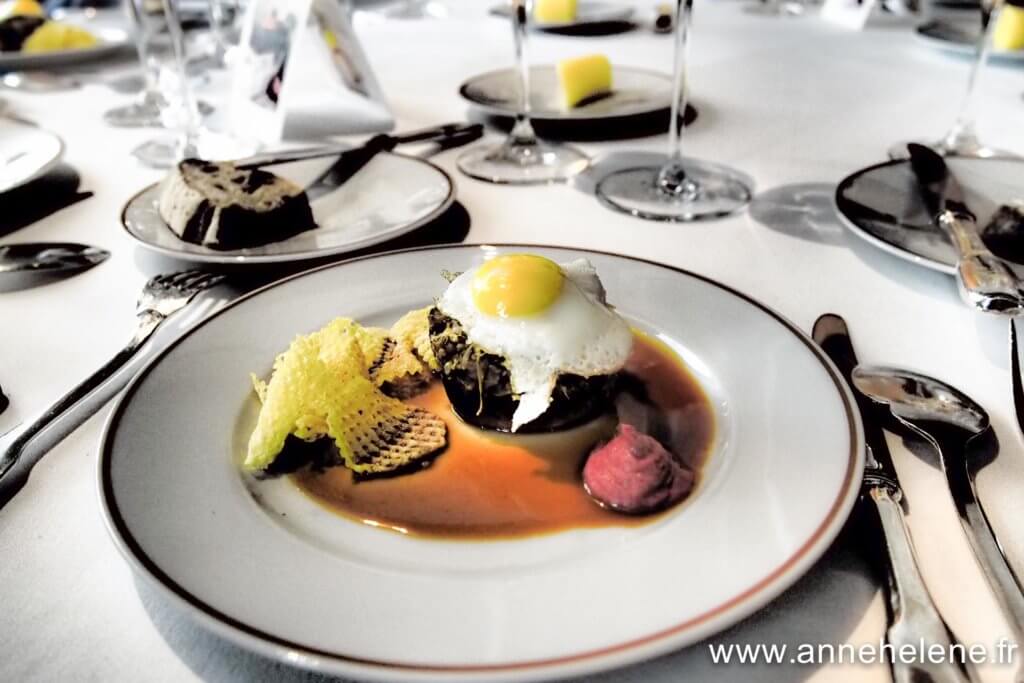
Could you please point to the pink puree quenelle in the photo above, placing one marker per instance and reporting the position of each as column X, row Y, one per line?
column 634, row 473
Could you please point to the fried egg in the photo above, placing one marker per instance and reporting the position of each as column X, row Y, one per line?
column 544, row 318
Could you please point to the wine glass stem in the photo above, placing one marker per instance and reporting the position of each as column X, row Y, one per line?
column 218, row 13
column 143, row 36
column 962, row 132
column 522, row 132
column 189, row 110
column 673, row 178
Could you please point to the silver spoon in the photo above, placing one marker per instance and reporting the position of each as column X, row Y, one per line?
column 49, row 257
column 957, row 428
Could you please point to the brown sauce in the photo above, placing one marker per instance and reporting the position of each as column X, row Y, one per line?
column 491, row 485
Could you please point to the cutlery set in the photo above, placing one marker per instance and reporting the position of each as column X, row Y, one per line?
column 912, row 614
column 958, row 429
column 955, row 426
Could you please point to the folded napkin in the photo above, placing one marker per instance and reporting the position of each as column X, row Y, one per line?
column 36, row 200
column 301, row 73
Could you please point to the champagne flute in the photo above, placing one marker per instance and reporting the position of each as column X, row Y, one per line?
column 522, row 159
column 961, row 139
column 681, row 189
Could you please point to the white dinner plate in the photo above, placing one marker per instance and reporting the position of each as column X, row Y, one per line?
column 389, row 197
column 26, row 153
column 587, row 14
column 882, row 204
column 111, row 40
column 961, row 39
column 272, row 571
column 634, row 92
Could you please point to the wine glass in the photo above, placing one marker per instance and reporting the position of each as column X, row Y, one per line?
column 961, row 139
column 178, row 111
column 145, row 110
column 522, row 159
column 194, row 131
column 681, row 189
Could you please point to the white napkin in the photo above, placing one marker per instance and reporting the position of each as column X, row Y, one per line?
column 327, row 88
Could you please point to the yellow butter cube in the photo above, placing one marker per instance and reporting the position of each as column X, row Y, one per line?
column 554, row 11
column 1009, row 30
column 584, row 77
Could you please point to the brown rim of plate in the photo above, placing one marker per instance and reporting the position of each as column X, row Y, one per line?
column 286, row 650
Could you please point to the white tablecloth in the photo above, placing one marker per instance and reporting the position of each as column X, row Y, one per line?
column 794, row 102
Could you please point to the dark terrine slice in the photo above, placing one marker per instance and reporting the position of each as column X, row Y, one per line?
column 220, row 206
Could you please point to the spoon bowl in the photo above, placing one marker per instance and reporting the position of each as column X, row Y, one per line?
column 918, row 398
column 49, row 257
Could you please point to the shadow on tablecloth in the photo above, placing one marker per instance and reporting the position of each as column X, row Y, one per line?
column 807, row 211
column 803, row 210
column 600, row 130
column 822, row 608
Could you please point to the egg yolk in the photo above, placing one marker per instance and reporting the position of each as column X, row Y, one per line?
column 516, row 285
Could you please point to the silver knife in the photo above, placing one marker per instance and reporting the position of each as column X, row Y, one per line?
column 985, row 282
column 913, row 617
column 49, row 257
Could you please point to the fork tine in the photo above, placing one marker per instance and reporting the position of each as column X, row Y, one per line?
column 200, row 281
column 159, row 281
column 180, row 279
column 209, row 280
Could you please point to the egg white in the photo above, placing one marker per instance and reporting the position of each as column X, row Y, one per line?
column 577, row 334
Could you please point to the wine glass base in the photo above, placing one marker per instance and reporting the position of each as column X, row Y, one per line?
column 145, row 114
column 717, row 191
column 512, row 163
column 160, row 153
column 415, row 9
column 206, row 144
column 776, row 9
column 899, row 151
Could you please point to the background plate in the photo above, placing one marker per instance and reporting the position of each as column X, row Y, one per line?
column 883, row 205
column 587, row 14
column 636, row 92
column 322, row 591
column 111, row 40
column 391, row 196
column 960, row 38
column 26, row 153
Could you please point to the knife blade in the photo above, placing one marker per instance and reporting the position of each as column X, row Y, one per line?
column 434, row 133
column 49, row 257
column 940, row 189
column 831, row 334
column 352, row 161
column 913, row 617
column 984, row 281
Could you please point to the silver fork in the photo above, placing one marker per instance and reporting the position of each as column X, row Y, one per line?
column 161, row 297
